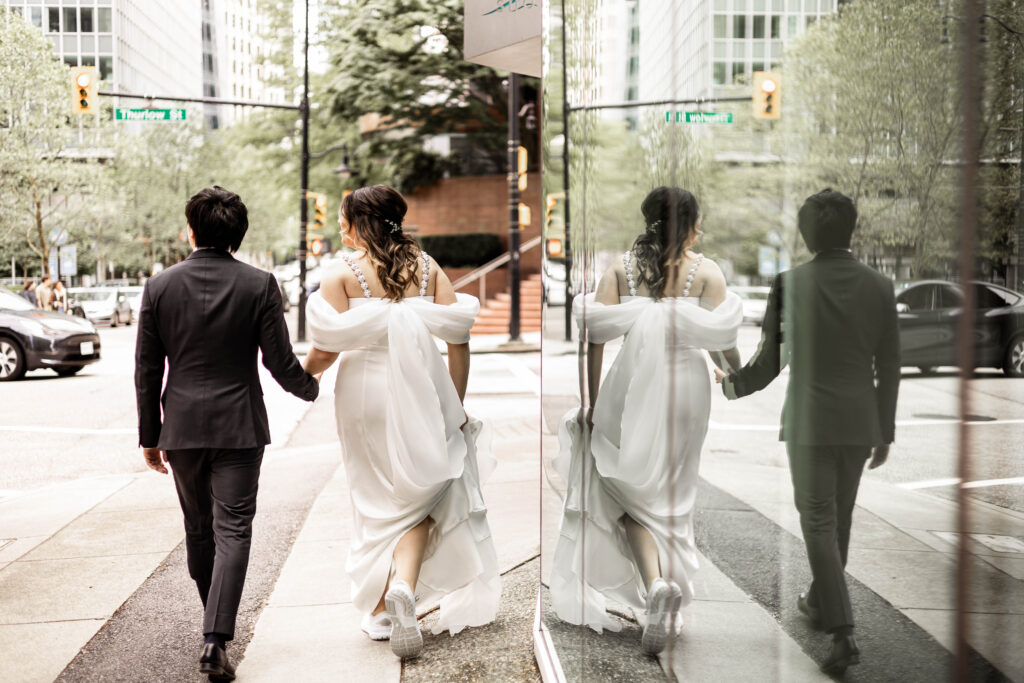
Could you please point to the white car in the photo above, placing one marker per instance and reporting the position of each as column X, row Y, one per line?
column 554, row 282
column 134, row 294
column 755, row 302
column 103, row 304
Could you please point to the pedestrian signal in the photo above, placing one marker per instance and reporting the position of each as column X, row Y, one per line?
column 84, row 86
column 767, row 95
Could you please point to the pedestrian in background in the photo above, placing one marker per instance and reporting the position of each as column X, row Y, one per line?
column 43, row 294
column 29, row 292
column 59, row 298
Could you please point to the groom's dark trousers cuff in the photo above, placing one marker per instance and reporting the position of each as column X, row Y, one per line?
column 825, row 483
column 217, row 491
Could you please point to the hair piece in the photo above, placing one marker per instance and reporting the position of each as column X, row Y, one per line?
column 218, row 218
column 670, row 216
column 376, row 214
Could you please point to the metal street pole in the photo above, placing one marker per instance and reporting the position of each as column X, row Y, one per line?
column 513, row 206
column 1018, row 283
column 565, row 185
column 303, row 211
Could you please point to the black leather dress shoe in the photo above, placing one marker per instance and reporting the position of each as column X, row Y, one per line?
column 844, row 653
column 215, row 664
column 812, row 613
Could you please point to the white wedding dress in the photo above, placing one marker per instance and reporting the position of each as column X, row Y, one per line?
column 404, row 453
column 650, row 420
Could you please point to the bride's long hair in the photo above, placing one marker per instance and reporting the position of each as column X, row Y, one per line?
column 670, row 218
column 376, row 214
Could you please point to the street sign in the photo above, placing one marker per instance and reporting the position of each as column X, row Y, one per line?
column 68, row 260
column 58, row 237
column 149, row 114
column 708, row 117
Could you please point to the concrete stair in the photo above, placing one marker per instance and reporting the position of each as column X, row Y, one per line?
column 495, row 313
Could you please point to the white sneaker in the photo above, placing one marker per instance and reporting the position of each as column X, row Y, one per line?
column 406, row 639
column 377, row 626
column 677, row 614
column 663, row 601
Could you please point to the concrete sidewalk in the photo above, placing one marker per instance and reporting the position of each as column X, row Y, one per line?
column 309, row 617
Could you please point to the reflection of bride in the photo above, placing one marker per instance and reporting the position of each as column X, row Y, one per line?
column 627, row 523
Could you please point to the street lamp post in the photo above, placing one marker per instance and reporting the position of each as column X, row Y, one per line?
column 513, row 206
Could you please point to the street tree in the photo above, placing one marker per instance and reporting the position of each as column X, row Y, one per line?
column 39, row 179
column 398, row 66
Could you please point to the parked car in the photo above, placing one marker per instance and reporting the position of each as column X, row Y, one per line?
column 31, row 339
column 104, row 304
column 134, row 295
column 755, row 302
column 928, row 315
column 554, row 282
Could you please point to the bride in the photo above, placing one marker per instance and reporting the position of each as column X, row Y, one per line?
column 627, row 520
column 410, row 451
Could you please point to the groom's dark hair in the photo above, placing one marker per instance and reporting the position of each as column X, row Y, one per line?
column 218, row 218
column 826, row 220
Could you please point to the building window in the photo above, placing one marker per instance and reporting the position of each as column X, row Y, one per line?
column 103, row 23
column 87, row 20
column 793, row 32
column 738, row 73
column 106, row 68
column 810, row 6
column 739, row 5
column 53, row 19
column 758, row 27
column 776, row 27
column 739, row 26
column 37, row 16
column 719, row 73
column 20, row 11
column 88, row 60
column 71, row 60
column 70, row 20
column 721, row 22
column 757, row 66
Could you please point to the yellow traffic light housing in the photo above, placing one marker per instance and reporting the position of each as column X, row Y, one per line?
column 320, row 212
column 767, row 95
column 523, row 163
column 524, row 215
column 84, row 87
column 555, row 249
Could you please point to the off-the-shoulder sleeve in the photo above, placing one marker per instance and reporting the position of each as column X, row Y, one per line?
column 450, row 323
column 355, row 328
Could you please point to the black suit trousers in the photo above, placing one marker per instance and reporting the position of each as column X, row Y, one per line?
column 825, row 483
column 217, row 489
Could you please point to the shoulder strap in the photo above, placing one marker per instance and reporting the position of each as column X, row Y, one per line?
column 426, row 273
column 358, row 273
column 689, row 277
column 627, row 262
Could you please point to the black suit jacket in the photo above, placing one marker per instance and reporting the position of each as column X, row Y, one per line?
column 834, row 321
column 207, row 317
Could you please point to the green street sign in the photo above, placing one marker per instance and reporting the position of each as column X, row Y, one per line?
column 708, row 117
column 149, row 114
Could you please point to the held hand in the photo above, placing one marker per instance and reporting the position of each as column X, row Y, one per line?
column 878, row 457
column 155, row 459
column 719, row 375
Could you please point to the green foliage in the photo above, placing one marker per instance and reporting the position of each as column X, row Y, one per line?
column 468, row 250
column 402, row 61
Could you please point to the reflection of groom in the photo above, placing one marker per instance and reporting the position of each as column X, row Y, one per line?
column 833, row 320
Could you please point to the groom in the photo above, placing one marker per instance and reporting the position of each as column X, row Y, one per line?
column 207, row 318
column 833, row 320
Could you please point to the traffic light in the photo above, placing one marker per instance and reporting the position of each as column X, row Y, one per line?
column 767, row 95
column 320, row 212
column 552, row 204
column 524, row 215
column 318, row 246
column 555, row 249
column 523, row 162
column 84, row 85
